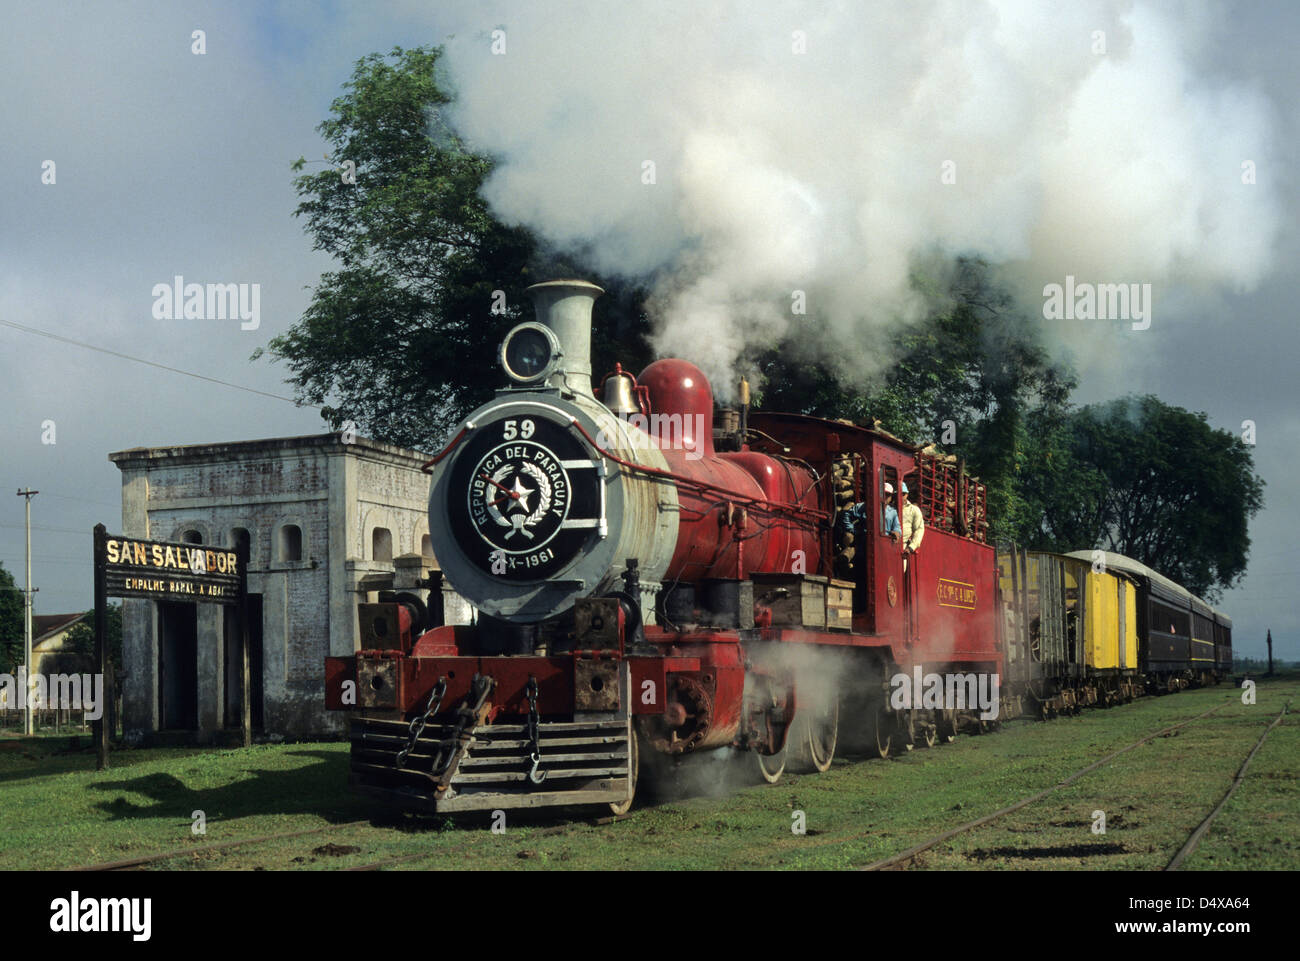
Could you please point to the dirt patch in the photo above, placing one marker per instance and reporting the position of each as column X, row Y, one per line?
column 333, row 850
column 1062, row 851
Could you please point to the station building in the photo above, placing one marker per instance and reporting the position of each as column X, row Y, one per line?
column 329, row 520
column 50, row 651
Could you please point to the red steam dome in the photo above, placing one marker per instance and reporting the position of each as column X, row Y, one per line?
column 679, row 387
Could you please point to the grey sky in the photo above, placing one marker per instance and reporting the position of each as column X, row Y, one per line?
column 170, row 163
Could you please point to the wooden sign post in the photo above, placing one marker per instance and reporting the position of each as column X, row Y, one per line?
column 107, row 695
column 241, row 612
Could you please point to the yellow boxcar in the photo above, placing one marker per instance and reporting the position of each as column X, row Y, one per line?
column 1130, row 651
column 1101, row 623
column 1110, row 622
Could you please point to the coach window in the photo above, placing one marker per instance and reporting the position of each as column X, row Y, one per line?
column 381, row 544
column 888, row 475
column 290, row 542
column 192, row 537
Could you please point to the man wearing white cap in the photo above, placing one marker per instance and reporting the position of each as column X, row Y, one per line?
column 913, row 526
column 891, row 514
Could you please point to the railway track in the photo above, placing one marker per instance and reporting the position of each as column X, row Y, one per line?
column 895, row 861
column 904, row 856
column 1199, row 832
column 560, row 829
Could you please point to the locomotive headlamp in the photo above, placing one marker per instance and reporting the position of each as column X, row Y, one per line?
column 530, row 353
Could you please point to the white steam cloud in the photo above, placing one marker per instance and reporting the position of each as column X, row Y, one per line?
column 804, row 148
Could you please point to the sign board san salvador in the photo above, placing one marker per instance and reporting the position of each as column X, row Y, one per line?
column 171, row 572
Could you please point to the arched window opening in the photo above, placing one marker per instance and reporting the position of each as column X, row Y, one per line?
column 290, row 542
column 381, row 544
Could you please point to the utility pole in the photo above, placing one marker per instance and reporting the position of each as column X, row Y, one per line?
column 28, row 730
column 1270, row 652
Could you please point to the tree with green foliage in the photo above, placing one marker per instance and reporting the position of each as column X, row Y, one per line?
column 11, row 623
column 404, row 333
column 1154, row 482
column 81, row 636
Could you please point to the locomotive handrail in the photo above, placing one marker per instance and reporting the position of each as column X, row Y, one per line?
column 692, row 482
column 431, row 462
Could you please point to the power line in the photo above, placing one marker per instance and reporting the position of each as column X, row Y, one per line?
column 150, row 363
column 69, row 497
column 62, row 563
column 58, row 557
column 39, row 527
column 84, row 500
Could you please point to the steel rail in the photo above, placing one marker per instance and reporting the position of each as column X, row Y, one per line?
column 1002, row 812
column 1195, row 838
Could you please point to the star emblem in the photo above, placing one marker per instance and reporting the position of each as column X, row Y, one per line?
column 522, row 494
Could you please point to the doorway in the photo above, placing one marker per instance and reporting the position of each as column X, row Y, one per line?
column 178, row 666
column 234, row 665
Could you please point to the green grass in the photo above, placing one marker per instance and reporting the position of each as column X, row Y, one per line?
column 1152, row 797
column 56, row 811
column 1259, row 827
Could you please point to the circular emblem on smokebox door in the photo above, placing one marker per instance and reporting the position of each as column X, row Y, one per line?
column 518, row 496
column 519, row 521
column 891, row 591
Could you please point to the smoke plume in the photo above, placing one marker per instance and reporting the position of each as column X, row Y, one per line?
column 737, row 153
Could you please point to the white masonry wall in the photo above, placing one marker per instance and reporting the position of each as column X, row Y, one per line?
column 337, row 494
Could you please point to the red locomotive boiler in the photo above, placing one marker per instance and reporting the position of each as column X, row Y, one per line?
column 654, row 578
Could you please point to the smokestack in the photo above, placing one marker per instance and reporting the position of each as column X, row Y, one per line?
column 565, row 307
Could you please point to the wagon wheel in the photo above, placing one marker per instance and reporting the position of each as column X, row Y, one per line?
column 772, row 766
column 798, row 759
column 879, row 741
column 634, row 751
column 823, row 735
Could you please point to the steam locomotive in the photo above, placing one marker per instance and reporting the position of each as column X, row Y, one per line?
column 656, row 575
